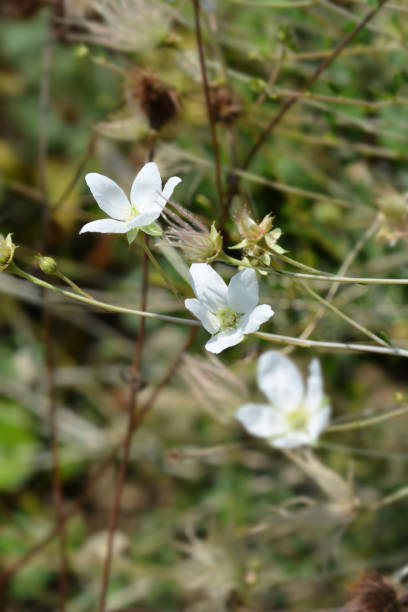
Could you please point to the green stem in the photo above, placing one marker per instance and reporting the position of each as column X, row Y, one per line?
column 92, row 302
column 342, row 346
column 318, row 276
column 379, row 418
column 156, row 265
column 73, row 285
column 343, row 316
column 276, row 338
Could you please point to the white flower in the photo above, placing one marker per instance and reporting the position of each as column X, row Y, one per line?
column 294, row 416
column 147, row 200
column 228, row 313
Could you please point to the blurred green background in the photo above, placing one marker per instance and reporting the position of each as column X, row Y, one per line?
column 209, row 518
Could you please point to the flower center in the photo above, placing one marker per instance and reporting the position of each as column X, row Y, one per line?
column 133, row 212
column 227, row 318
column 297, row 419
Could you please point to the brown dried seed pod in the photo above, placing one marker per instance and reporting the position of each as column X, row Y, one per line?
column 156, row 99
column 374, row 593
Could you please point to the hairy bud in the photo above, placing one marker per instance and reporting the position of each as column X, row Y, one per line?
column 374, row 593
column 197, row 242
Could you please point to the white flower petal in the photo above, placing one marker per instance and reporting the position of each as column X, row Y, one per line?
column 243, row 292
column 252, row 321
column 261, row 420
column 291, row 439
column 146, row 187
column 209, row 321
column 314, row 387
column 109, row 196
column 280, row 380
column 145, row 218
column 105, row 226
column 168, row 190
column 208, row 286
column 223, row 340
column 318, row 421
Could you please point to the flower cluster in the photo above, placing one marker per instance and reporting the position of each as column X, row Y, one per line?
column 294, row 415
column 259, row 241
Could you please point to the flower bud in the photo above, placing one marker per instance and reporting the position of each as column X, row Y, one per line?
column 7, row 249
column 189, row 234
column 248, row 228
column 48, row 265
column 260, row 241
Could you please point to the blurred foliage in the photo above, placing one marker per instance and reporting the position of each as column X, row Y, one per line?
column 209, row 518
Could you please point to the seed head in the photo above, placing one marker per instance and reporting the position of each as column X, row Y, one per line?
column 259, row 241
column 374, row 593
column 156, row 99
column 189, row 234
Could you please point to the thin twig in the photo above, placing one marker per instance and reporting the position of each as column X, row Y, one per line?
column 167, row 376
column 44, row 103
column 365, row 348
column 325, row 64
column 340, row 346
column 339, row 313
column 207, row 95
column 291, row 101
column 135, row 384
column 351, row 256
column 378, row 418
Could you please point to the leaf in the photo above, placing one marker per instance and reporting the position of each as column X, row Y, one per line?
column 131, row 235
column 18, row 447
column 384, row 337
column 153, row 229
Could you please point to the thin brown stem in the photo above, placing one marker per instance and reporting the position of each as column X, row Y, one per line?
column 135, row 384
column 56, row 471
column 315, row 76
column 211, row 119
column 44, row 103
column 167, row 376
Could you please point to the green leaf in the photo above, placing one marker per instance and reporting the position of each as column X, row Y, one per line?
column 153, row 229
column 384, row 337
column 131, row 235
column 18, row 446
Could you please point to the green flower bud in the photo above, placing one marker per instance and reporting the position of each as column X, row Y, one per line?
column 7, row 249
column 48, row 265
